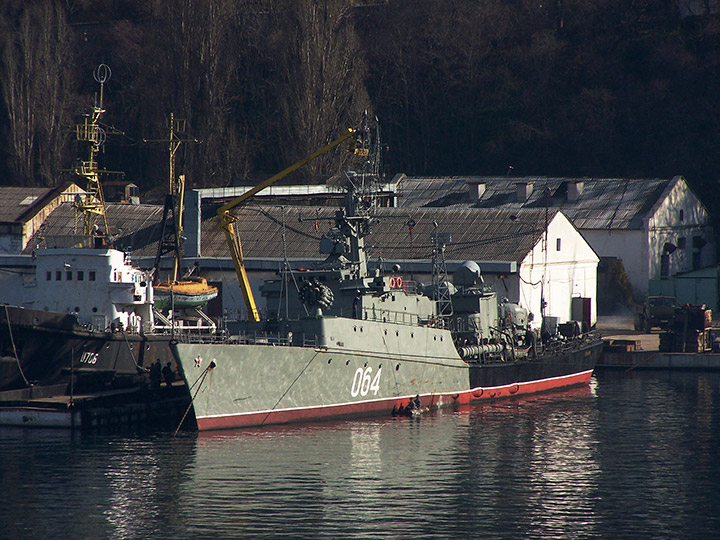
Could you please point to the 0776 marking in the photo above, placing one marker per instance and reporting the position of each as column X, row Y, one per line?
column 364, row 382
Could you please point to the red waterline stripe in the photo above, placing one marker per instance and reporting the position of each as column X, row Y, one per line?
column 385, row 406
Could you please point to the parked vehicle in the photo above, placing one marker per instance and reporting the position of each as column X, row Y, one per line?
column 657, row 311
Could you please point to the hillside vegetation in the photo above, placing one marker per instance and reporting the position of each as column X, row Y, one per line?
column 486, row 87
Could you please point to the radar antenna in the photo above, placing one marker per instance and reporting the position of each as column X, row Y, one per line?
column 91, row 204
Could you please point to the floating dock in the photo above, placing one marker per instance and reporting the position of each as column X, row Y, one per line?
column 52, row 407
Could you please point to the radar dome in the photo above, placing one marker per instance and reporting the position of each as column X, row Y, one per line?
column 467, row 275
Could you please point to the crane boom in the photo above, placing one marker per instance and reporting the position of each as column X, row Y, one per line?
column 227, row 221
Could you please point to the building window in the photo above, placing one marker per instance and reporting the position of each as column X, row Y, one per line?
column 699, row 242
column 558, row 244
column 91, row 275
column 68, row 275
column 80, row 275
column 682, row 241
column 58, row 275
column 48, row 276
column 682, row 215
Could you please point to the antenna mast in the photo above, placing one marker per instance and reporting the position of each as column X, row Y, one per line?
column 171, row 231
column 440, row 284
column 91, row 204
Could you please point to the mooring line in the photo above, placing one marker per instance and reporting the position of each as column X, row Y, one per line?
column 201, row 380
column 12, row 340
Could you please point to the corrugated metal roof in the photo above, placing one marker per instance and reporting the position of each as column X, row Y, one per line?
column 15, row 201
column 615, row 203
column 477, row 234
column 137, row 226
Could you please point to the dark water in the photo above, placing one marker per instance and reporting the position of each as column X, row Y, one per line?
column 634, row 456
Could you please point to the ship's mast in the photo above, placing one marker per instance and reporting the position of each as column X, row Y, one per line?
column 171, row 231
column 355, row 220
column 440, row 282
column 91, row 204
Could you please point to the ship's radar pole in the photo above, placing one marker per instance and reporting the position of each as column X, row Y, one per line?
column 171, row 240
column 91, row 204
column 440, row 285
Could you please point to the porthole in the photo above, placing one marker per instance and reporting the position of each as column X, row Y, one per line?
column 397, row 367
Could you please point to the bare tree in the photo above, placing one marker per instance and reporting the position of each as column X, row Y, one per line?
column 35, row 51
column 193, row 75
column 322, row 81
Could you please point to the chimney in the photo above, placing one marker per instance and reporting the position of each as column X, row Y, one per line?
column 574, row 190
column 523, row 191
column 476, row 190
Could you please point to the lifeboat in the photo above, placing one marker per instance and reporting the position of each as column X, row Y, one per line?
column 193, row 292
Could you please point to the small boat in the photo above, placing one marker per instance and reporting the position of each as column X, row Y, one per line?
column 194, row 292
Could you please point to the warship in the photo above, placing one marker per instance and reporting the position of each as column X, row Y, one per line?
column 357, row 341
column 89, row 319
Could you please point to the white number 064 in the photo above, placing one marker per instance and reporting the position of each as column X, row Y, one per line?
column 363, row 382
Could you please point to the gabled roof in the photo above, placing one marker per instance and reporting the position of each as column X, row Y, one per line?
column 605, row 203
column 15, row 202
column 137, row 226
column 477, row 234
column 504, row 235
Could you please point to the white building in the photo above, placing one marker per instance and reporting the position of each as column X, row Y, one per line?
column 656, row 227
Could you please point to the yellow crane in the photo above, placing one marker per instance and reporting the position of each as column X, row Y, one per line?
column 228, row 221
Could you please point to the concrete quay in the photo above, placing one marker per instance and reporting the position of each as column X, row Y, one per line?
column 625, row 348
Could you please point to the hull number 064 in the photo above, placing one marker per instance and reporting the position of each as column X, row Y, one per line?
column 364, row 382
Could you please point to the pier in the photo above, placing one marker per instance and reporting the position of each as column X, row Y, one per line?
column 53, row 407
column 625, row 348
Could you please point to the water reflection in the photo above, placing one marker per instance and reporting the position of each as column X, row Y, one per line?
column 633, row 456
